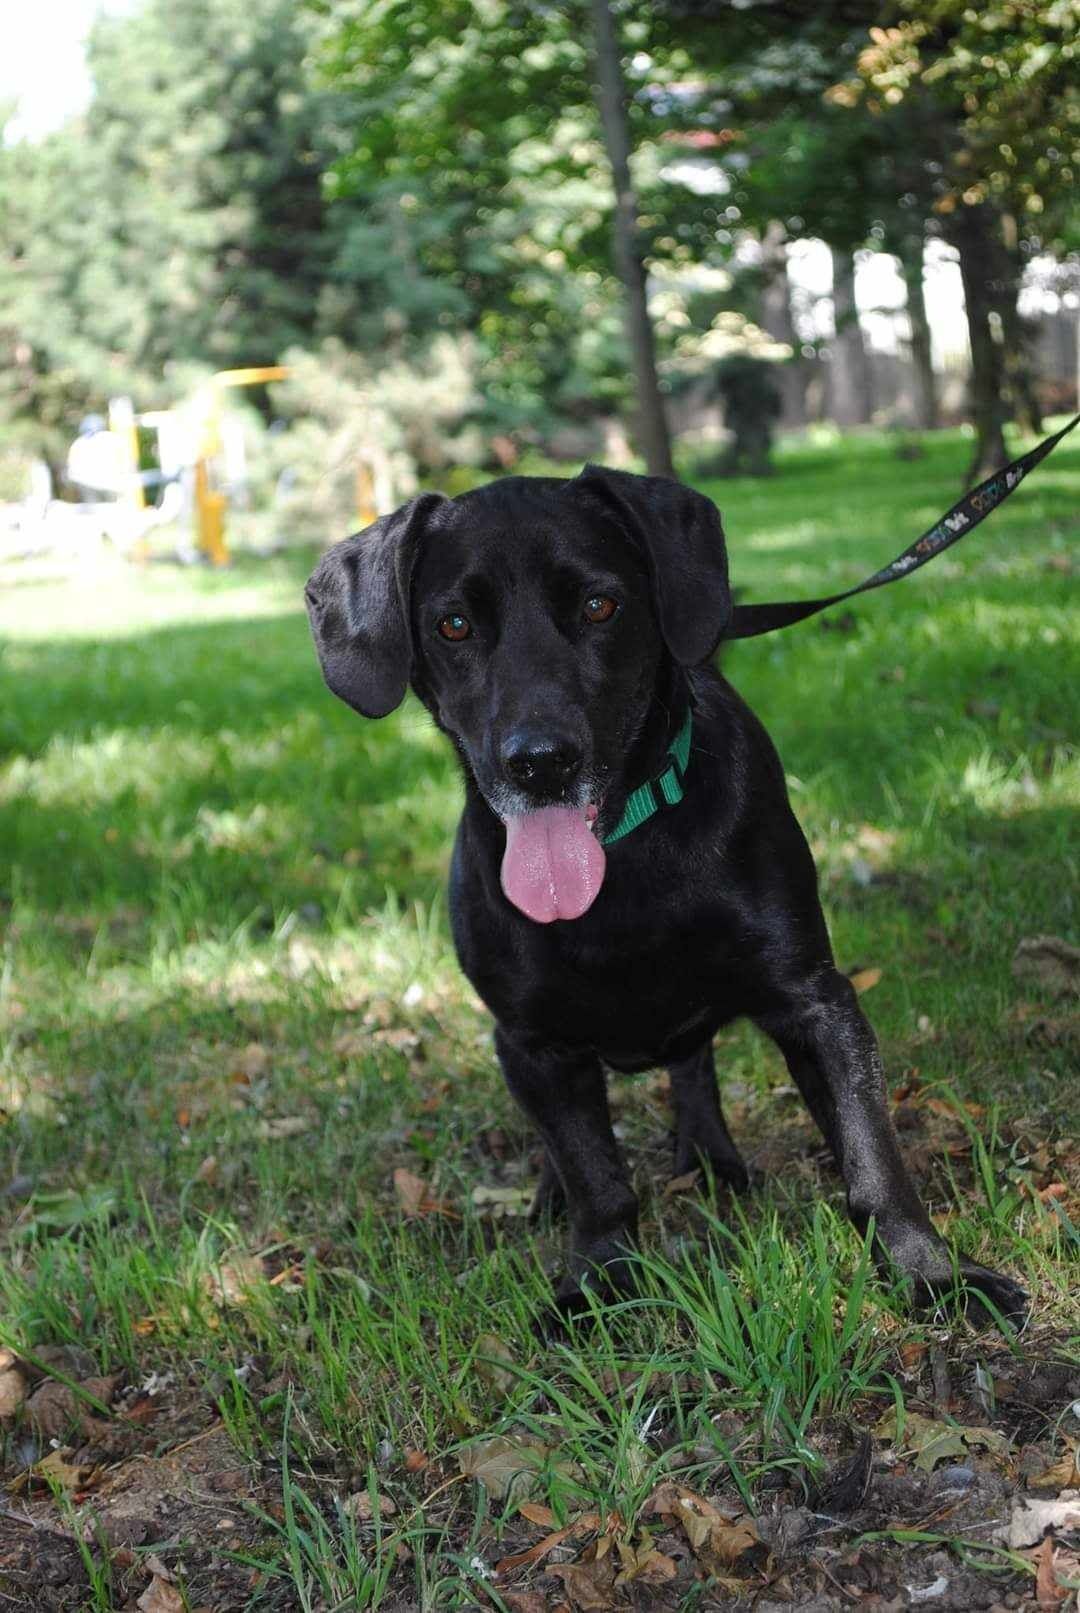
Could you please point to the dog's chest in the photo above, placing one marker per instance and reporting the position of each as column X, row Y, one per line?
column 645, row 1000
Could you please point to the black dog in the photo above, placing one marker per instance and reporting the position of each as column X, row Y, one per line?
column 560, row 632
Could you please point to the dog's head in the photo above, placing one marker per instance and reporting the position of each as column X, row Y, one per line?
column 533, row 617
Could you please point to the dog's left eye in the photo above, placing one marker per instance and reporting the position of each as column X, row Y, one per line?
column 600, row 608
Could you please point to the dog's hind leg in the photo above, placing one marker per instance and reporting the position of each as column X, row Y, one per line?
column 549, row 1200
column 829, row 1044
column 701, row 1135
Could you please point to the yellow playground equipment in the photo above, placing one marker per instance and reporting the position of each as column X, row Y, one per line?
column 210, row 499
column 192, row 448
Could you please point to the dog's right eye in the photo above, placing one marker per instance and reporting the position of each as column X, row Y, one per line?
column 455, row 628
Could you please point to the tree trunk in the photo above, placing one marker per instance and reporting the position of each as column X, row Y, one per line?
column 911, row 268
column 972, row 235
column 652, row 430
column 852, row 390
column 1019, row 382
column 777, row 322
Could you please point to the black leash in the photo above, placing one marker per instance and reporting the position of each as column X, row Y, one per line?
column 750, row 620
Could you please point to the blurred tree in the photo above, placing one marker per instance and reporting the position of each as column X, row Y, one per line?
column 180, row 221
column 484, row 196
column 860, row 121
column 996, row 93
column 611, row 96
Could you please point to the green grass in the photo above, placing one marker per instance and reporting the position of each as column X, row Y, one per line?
column 203, row 851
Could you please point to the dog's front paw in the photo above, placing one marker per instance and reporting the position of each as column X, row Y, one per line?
column 988, row 1296
column 600, row 1273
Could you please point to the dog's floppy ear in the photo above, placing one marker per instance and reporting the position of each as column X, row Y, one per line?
column 358, row 606
column 680, row 533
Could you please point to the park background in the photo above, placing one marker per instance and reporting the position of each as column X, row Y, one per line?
column 267, row 1295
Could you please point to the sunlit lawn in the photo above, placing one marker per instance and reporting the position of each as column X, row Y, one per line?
column 229, row 1013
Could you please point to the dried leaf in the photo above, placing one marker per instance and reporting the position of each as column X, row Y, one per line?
column 589, row 1581
column 416, row 1461
column 506, row 1465
column 352, row 1044
column 490, row 1351
column 232, row 1282
column 13, row 1391
column 1050, row 962
column 525, row 1602
column 688, row 1183
column 160, row 1597
column 277, row 1127
column 1049, row 1592
column 523, row 1559
column 360, row 1506
column 1063, row 1475
column 718, row 1539
column 865, row 979
column 643, row 1563
column 497, row 1203
column 412, row 1196
column 534, row 1512
column 56, row 1469
column 934, row 1442
column 252, row 1062
column 1031, row 1519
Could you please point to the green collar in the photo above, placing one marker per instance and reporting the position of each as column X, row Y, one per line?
column 666, row 790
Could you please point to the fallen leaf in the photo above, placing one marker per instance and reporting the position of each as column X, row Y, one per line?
column 1049, row 1592
column 1051, row 962
column 416, row 1461
column 52, row 1409
column 589, row 1581
column 525, row 1559
column 934, row 1442
column 686, row 1183
column 534, row 1512
column 525, row 1602
column 56, row 1469
column 1031, row 1519
column 160, row 1597
column 718, row 1539
column 352, row 1044
column 412, row 1196
column 912, row 1352
column 252, row 1062
column 279, row 1126
column 643, row 1564
column 497, row 1203
column 1056, row 1190
column 506, row 1465
column 1063, row 1475
column 360, row 1506
column 232, row 1282
column 13, row 1391
column 490, row 1352
column 865, row 979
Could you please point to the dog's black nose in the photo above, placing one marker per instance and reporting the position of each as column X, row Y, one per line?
column 541, row 763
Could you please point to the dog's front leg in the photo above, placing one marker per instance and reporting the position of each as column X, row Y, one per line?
column 565, row 1096
column 833, row 1053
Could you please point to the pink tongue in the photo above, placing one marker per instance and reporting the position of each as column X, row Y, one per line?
column 553, row 865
